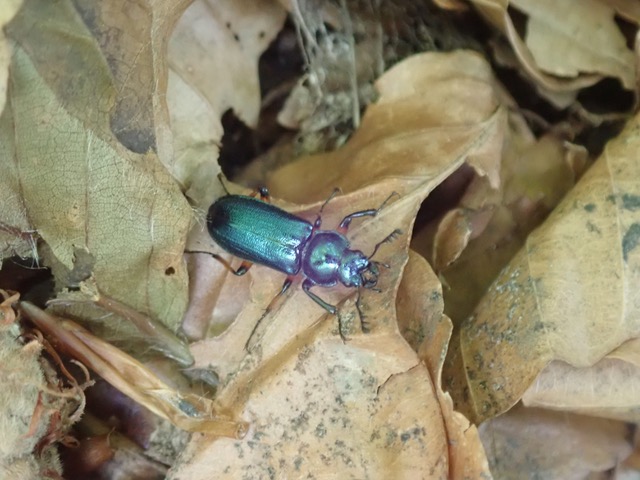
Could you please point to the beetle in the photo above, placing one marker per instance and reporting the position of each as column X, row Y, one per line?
column 259, row 232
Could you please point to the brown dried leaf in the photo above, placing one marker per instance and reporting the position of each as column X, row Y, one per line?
column 419, row 305
column 530, row 442
column 474, row 241
column 608, row 389
column 569, row 295
column 9, row 9
column 362, row 405
column 589, row 65
column 568, row 42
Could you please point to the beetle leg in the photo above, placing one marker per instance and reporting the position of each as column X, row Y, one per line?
column 346, row 221
column 306, row 286
column 364, row 325
column 388, row 238
column 318, row 221
column 285, row 286
column 242, row 269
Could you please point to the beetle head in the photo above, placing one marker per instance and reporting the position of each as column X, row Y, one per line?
column 353, row 266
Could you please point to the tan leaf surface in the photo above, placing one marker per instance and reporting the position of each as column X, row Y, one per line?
column 185, row 410
column 419, row 305
column 569, row 295
column 607, row 389
column 317, row 404
column 71, row 177
column 531, row 442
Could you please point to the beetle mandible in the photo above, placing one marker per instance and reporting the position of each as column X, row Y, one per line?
column 259, row 232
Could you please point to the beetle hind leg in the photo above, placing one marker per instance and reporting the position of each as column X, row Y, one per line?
column 285, row 286
column 241, row 270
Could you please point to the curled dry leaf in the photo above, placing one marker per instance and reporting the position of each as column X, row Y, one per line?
column 586, row 40
column 472, row 242
column 607, row 389
column 531, row 442
column 213, row 59
column 78, row 143
column 185, row 410
column 566, row 49
column 569, row 295
column 317, row 404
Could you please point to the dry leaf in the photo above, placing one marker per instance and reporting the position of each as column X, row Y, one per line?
column 67, row 171
column 9, row 9
column 362, row 405
column 496, row 12
column 213, row 57
column 185, row 410
column 569, row 295
column 530, row 442
column 428, row 331
column 474, row 241
column 568, row 41
column 607, row 389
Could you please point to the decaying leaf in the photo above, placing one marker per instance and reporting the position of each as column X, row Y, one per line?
column 419, row 304
column 9, row 9
column 568, row 42
column 472, row 242
column 67, row 171
column 606, row 389
column 569, row 295
column 35, row 411
column 185, row 410
column 111, row 119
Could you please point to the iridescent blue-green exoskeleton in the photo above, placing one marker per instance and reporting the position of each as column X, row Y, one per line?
column 259, row 232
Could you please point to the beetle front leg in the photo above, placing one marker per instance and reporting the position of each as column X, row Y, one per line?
column 242, row 269
column 306, row 286
column 346, row 221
